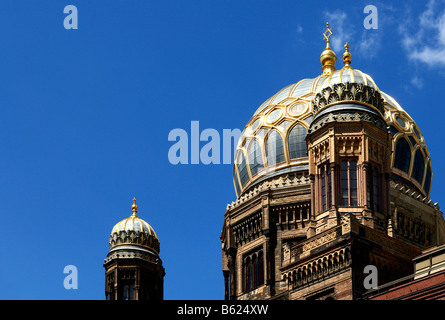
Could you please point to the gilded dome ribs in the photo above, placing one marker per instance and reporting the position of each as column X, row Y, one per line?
column 134, row 231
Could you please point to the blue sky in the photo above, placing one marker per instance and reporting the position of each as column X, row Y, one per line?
column 85, row 115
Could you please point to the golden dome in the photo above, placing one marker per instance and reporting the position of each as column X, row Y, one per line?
column 273, row 141
column 133, row 231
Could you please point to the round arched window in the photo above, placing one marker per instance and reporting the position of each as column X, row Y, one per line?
column 419, row 166
column 242, row 169
column 255, row 158
column 297, row 142
column 402, row 158
column 274, row 148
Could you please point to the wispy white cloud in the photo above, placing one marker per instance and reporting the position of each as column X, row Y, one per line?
column 417, row 82
column 299, row 29
column 369, row 43
column 424, row 41
column 299, row 34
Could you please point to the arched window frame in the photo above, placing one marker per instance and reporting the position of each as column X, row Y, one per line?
column 256, row 162
column 260, row 268
column 247, row 268
column 242, row 165
column 373, row 187
column 419, row 164
column 236, row 181
column 428, row 179
column 128, row 292
column 253, row 270
column 325, row 183
column 277, row 156
column 348, row 182
column 300, row 151
column 402, row 157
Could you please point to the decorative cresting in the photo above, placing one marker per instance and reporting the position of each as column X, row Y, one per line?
column 330, row 105
column 134, row 231
column 348, row 92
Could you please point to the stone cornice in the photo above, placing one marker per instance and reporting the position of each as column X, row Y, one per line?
column 413, row 194
column 280, row 182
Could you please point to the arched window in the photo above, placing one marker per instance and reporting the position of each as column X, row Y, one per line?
column 254, row 271
column 419, row 166
column 260, row 268
column 402, row 158
column 236, row 183
column 373, row 187
column 251, row 275
column 274, row 148
column 297, row 142
column 242, row 169
column 255, row 158
column 299, row 278
column 247, row 266
column 427, row 183
column 325, row 181
column 348, row 183
column 128, row 292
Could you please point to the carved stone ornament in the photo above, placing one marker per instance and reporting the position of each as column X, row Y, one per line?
column 348, row 92
column 134, row 237
column 348, row 117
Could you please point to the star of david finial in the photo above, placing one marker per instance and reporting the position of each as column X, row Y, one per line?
column 327, row 33
column 328, row 57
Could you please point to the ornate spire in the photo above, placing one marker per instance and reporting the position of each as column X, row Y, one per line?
column 328, row 30
column 134, row 207
column 328, row 57
column 347, row 56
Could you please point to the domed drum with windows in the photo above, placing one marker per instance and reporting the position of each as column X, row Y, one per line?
column 273, row 141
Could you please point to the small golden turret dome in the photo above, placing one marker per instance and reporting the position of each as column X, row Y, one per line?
column 133, row 231
column 328, row 57
column 347, row 56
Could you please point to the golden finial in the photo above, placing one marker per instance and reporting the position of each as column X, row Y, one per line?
column 134, row 207
column 328, row 57
column 347, row 56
